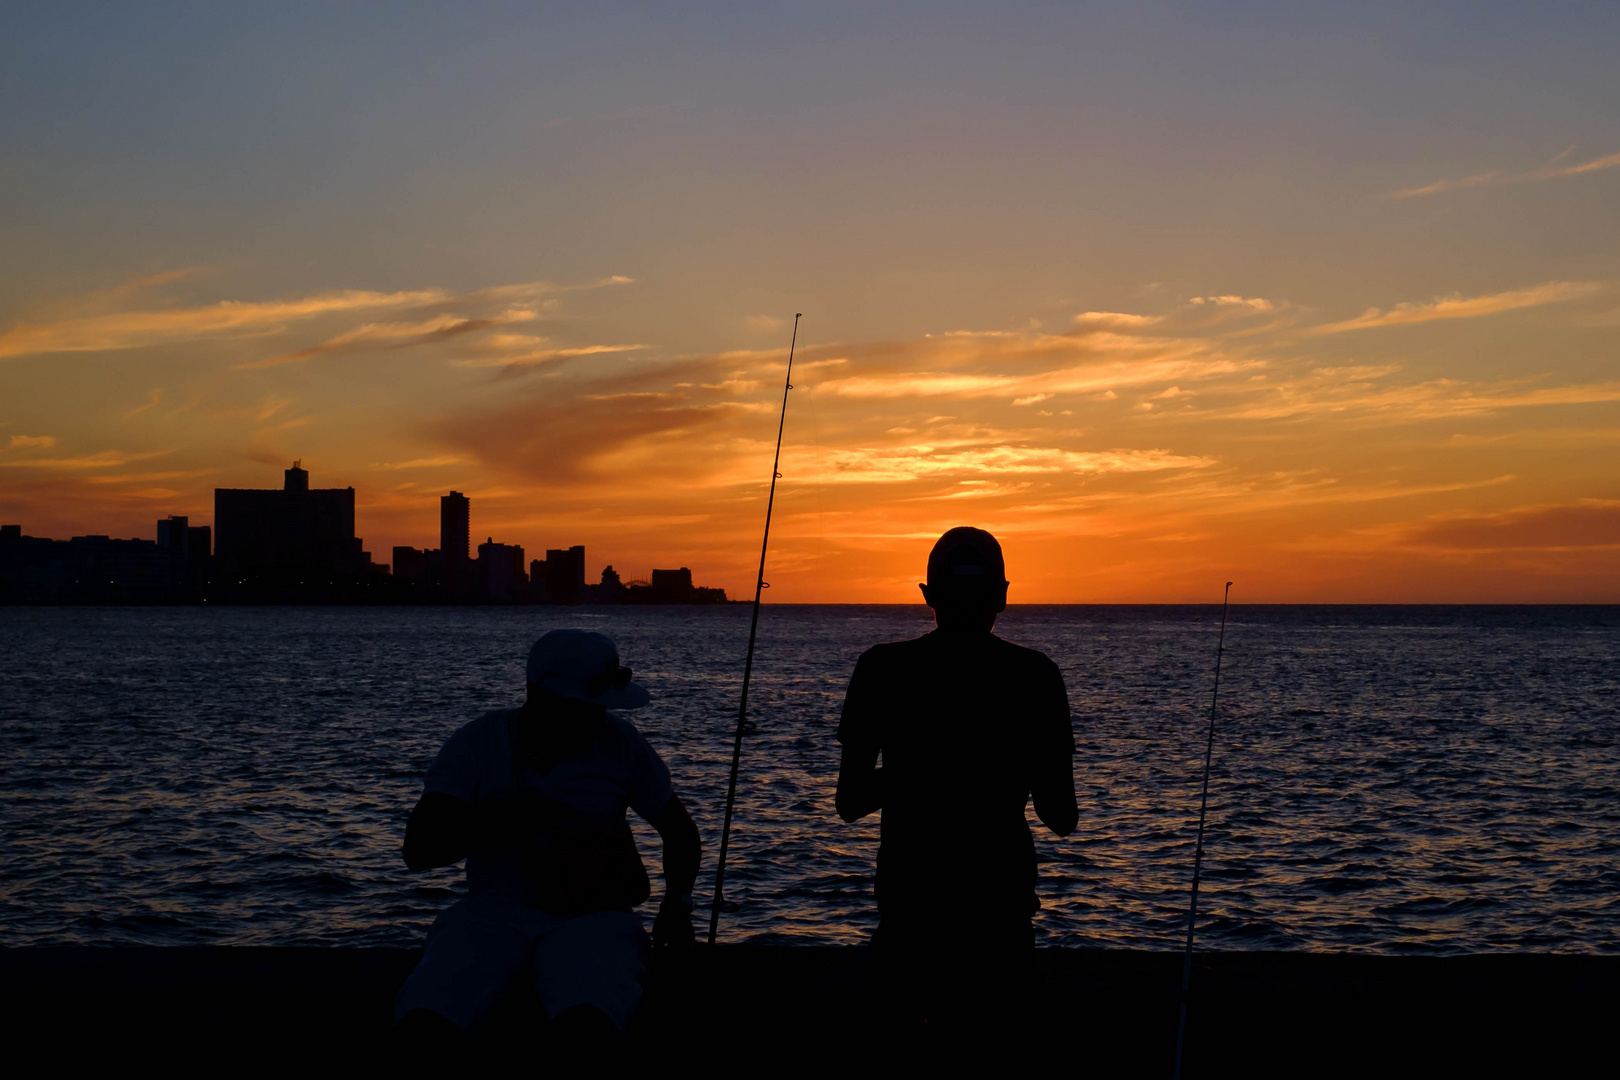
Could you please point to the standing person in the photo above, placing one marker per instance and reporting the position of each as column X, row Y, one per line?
column 969, row 726
column 534, row 799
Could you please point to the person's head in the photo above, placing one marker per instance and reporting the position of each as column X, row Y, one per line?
column 967, row 580
column 578, row 671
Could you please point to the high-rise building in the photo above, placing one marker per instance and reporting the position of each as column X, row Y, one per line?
column 500, row 572
column 673, row 585
column 296, row 530
column 410, row 564
column 189, row 548
column 565, row 574
column 455, row 526
column 454, row 569
column 172, row 533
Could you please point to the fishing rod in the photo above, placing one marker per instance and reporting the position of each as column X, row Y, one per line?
column 748, row 664
column 1198, row 852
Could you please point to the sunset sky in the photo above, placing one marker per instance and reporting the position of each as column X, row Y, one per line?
column 1321, row 299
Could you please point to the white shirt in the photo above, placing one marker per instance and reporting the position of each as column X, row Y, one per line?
column 619, row 769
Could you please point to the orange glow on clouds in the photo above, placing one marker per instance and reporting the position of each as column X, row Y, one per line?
column 1120, row 455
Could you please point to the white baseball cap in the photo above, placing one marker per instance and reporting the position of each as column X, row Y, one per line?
column 583, row 665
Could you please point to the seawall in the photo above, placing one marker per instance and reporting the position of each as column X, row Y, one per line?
column 1112, row 1012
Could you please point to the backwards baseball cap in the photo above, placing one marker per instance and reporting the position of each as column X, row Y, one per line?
column 583, row 665
column 966, row 559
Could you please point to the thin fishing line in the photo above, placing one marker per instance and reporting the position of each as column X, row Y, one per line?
column 748, row 663
column 1198, row 852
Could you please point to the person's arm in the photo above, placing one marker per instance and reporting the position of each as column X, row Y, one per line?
column 1055, row 803
column 683, row 850
column 860, row 782
column 1052, row 771
column 439, row 833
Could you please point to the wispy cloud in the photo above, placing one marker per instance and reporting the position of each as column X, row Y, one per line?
column 1255, row 304
column 235, row 318
column 1593, row 523
column 498, row 358
column 373, row 337
column 147, row 477
column 103, row 460
column 154, row 397
column 1037, row 386
column 1372, row 395
column 1114, row 320
column 41, row 441
column 1550, row 171
column 228, row 318
column 421, row 463
column 899, row 464
column 1460, row 307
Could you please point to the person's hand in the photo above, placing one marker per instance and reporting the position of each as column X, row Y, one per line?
column 672, row 928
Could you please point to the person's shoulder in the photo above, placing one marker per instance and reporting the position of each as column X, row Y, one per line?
column 619, row 727
column 1024, row 656
column 621, row 734
column 492, row 724
column 893, row 651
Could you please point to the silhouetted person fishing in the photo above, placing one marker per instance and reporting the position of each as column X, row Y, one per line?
column 969, row 726
column 534, row 799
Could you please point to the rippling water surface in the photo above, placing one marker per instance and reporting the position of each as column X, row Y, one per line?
column 1386, row 779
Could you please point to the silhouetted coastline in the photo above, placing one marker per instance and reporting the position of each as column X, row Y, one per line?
column 297, row 545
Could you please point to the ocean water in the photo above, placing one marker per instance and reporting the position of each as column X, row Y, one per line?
column 1387, row 779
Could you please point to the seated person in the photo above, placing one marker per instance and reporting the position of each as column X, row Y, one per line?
column 534, row 799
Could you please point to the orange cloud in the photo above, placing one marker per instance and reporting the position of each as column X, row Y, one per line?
column 134, row 329
column 1126, row 457
column 439, row 462
column 379, row 336
column 509, row 354
column 232, row 318
column 102, row 460
column 900, row 464
column 1458, row 307
column 1549, row 171
column 1590, row 524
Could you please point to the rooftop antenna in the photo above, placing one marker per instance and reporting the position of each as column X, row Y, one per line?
column 1198, row 852
column 760, row 585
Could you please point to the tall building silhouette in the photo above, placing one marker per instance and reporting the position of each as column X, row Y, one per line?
column 190, row 547
column 454, row 566
column 673, row 585
column 291, row 531
column 565, row 574
column 455, row 526
column 501, row 578
column 410, row 564
column 102, row 570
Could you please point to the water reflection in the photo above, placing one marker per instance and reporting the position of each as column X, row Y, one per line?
column 1385, row 779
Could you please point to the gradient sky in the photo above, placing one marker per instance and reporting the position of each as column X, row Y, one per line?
column 1324, row 299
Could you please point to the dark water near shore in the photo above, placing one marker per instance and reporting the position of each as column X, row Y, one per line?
column 1388, row 779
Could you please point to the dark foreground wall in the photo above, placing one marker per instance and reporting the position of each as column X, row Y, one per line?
column 792, row 1010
